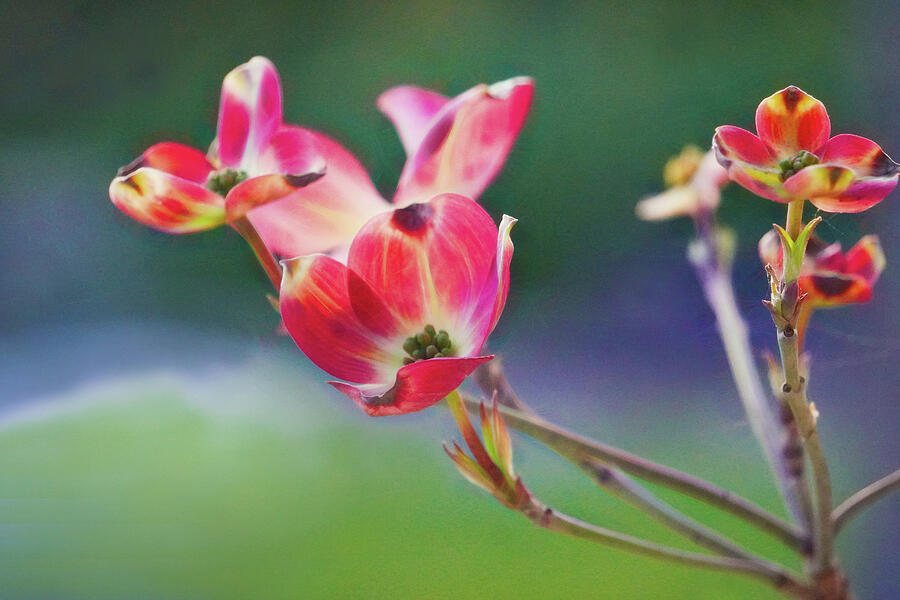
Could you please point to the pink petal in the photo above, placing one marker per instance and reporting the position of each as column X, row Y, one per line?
column 318, row 311
column 819, row 181
column 735, row 144
column 832, row 289
column 417, row 386
column 876, row 173
column 412, row 110
column 177, row 159
column 864, row 156
column 770, row 251
column 259, row 191
column 467, row 143
column 748, row 162
column 249, row 112
column 429, row 262
column 496, row 289
column 866, row 259
column 863, row 193
column 326, row 214
column 166, row 202
column 791, row 120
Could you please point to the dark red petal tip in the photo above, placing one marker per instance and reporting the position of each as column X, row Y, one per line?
column 413, row 218
column 299, row 181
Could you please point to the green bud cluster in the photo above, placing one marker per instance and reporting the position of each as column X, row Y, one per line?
column 428, row 344
column 791, row 166
column 223, row 180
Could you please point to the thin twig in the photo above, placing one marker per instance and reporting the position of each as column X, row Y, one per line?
column 626, row 489
column 491, row 378
column 712, row 264
column 795, row 395
column 575, row 448
column 864, row 498
column 552, row 520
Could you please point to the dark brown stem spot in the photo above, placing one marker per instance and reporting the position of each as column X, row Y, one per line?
column 786, row 388
column 788, row 331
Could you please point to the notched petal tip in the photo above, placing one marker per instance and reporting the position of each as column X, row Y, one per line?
column 249, row 111
column 413, row 218
column 165, row 202
column 262, row 190
column 864, row 156
column 507, row 222
column 504, row 89
column 293, row 270
column 304, row 179
column 416, row 387
column 791, row 120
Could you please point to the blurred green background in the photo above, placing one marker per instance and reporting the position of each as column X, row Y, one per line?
column 159, row 440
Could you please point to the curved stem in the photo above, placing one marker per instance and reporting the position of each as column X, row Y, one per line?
column 552, row 520
column 714, row 273
column 864, row 498
column 795, row 394
column 575, row 448
column 626, row 489
column 243, row 226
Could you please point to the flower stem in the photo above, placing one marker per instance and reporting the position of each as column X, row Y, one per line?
column 626, row 489
column 552, row 520
column 864, row 498
column 795, row 395
column 713, row 268
column 243, row 226
column 576, row 448
column 795, row 218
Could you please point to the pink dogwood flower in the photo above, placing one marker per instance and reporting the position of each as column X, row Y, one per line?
column 795, row 158
column 453, row 145
column 829, row 276
column 254, row 159
column 404, row 321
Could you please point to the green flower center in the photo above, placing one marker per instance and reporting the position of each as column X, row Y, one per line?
column 223, row 180
column 427, row 344
column 791, row 166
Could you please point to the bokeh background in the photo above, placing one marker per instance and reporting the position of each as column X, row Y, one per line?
column 158, row 439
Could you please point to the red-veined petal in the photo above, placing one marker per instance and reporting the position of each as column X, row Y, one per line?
column 429, row 261
column 411, row 109
column 749, row 163
column 496, row 289
column 249, row 112
column 735, row 144
column 260, row 191
column 326, row 214
column 819, row 181
column 862, row 155
column 292, row 150
column 863, row 193
column 467, row 142
column 317, row 308
column 166, row 202
column 866, row 259
column 173, row 158
column 791, row 120
column 832, row 289
column 418, row 386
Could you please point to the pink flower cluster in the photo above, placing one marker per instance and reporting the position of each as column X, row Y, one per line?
column 395, row 298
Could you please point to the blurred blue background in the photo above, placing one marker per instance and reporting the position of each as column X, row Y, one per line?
column 158, row 439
